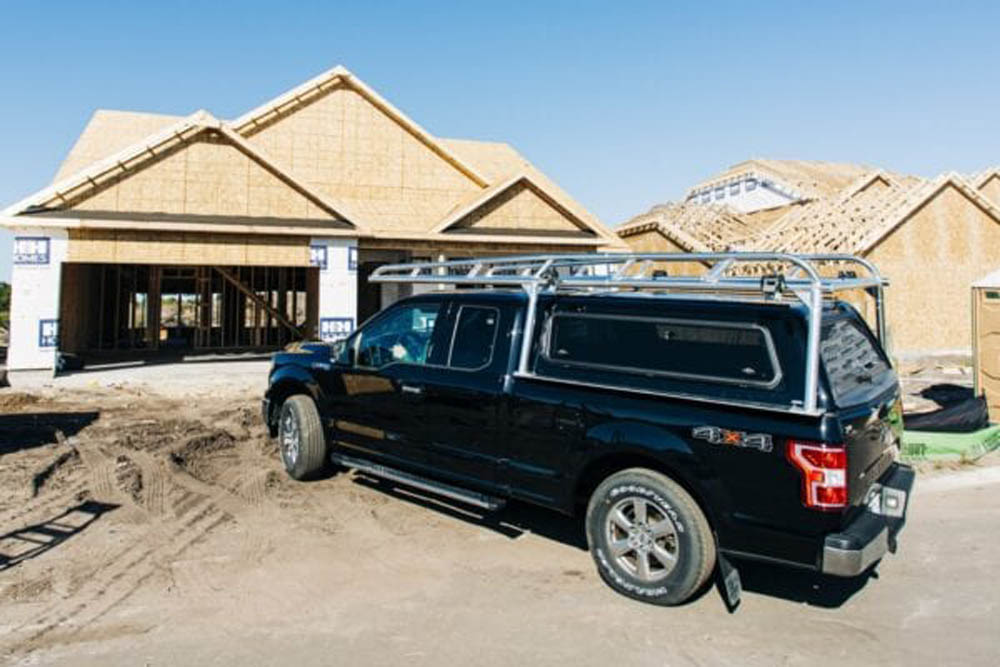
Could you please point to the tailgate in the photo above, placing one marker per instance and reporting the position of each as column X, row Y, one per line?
column 872, row 433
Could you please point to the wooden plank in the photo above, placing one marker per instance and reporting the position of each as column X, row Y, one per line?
column 250, row 294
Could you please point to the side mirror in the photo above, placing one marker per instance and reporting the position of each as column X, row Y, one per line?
column 342, row 353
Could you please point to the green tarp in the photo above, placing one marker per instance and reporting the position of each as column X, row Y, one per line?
column 928, row 445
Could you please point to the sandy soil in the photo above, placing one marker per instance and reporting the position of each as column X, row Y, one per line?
column 148, row 527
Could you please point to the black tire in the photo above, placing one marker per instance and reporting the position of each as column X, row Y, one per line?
column 648, row 543
column 309, row 458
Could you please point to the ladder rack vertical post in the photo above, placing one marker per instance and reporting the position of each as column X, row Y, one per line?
column 880, row 317
column 529, row 327
column 812, row 347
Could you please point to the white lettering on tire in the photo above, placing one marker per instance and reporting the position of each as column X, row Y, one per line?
column 636, row 490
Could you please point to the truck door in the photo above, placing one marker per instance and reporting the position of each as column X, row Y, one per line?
column 461, row 396
column 381, row 410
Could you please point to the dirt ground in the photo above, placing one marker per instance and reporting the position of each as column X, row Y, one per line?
column 144, row 524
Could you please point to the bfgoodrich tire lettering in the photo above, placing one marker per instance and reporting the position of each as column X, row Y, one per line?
column 301, row 440
column 648, row 537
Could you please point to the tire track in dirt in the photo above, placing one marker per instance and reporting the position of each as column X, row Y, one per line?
column 178, row 477
column 123, row 577
column 101, row 467
column 154, row 482
column 94, row 576
column 154, row 569
column 45, row 503
column 119, row 574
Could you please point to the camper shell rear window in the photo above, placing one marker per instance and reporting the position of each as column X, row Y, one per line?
column 851, row 357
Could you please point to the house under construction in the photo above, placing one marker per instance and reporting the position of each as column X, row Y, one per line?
column 192, row 233
column 931, row 237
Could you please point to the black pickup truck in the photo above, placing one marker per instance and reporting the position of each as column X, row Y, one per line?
column 688, row 421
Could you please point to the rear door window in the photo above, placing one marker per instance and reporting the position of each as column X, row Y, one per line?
column 851, row 357
column 474, row 337
column 727, row 352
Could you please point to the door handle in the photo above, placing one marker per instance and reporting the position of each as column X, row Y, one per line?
column 411, row 389
column 571, row 421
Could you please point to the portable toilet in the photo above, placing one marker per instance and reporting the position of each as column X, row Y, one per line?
column 986, row 340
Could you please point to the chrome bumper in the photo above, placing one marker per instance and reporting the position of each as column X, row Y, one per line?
column 873, row 533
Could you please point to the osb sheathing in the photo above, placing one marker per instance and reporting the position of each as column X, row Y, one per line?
column 205, row 176
column 652, row 241
column 519, row 207
column 987, row 322
column 460, row 247
column 346, row 147
column 931, row 258
column 991, row 189
column 109, row 132
column 134, row 247
column 877, row 185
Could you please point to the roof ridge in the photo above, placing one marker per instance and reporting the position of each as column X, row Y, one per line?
column 101, row 166
column 295, row 96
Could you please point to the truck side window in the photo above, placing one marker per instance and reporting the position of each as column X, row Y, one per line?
column 401, row 335
column 474, row 337
column 728, row 352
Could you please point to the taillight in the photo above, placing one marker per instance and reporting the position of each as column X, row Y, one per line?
column 824, row 473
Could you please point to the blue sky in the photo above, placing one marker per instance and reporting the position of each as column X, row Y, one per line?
column 624, row 104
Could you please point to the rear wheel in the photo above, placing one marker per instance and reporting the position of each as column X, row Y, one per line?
column 649, row 538
column 301, row 440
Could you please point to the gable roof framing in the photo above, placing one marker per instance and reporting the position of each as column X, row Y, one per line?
column 563, row 205
column 132, row 158
column 914, row 204
column 302, row 95
column 693, row 227
column 867, row 179
column 982, row 178
column 855, row 224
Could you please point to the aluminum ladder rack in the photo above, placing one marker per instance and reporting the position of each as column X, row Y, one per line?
column 556, row 273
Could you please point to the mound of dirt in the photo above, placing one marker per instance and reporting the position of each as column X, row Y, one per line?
column 152, row 434
column 198, row 455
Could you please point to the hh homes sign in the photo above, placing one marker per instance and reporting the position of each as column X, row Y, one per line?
column 31, row 250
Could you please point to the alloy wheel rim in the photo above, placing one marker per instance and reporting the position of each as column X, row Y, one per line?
column 290, row 440
column 642, row 538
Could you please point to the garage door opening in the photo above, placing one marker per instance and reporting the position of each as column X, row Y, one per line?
column 134, row 310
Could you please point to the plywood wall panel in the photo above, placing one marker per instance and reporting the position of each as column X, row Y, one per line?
column 208, row 175
column 653, row 241
column 932, row 258
column 347, row 148
column 130, row 247
column 519, row 208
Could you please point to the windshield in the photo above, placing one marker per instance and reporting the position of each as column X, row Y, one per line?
column 851, row 357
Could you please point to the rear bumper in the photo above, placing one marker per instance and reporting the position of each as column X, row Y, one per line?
column 873, row 533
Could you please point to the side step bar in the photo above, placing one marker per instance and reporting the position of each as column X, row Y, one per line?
column 491, row 503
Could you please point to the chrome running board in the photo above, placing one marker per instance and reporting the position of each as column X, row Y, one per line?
column 487, row 502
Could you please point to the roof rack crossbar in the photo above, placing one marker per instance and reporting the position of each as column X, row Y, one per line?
column 537, row 274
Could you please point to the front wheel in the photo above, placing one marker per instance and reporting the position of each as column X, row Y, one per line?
column 649, row 538
column 301, row 440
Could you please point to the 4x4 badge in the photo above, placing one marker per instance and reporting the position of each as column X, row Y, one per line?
column 721, row 436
